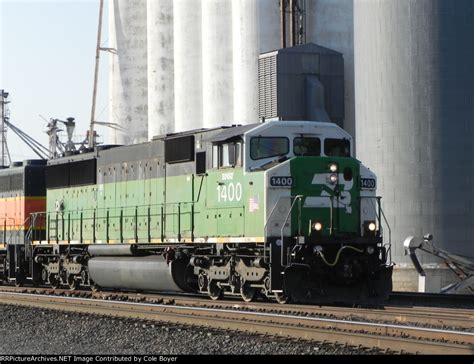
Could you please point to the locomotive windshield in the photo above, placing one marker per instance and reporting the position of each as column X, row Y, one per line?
column 266, row 147
column 337, row 147
column 307, row 146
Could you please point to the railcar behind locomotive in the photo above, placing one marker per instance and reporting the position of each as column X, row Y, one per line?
column 22, row 192
column 279, row 209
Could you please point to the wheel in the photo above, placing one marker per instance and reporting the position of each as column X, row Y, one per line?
column 247, row 292
column 202, row 282
column 214, row 291
column 72, row 283
column 281, row 298
column 44, row 275
column 54, row 281
column 84, row 278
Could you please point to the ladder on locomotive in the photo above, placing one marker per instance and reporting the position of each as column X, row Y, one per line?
column 53, row 230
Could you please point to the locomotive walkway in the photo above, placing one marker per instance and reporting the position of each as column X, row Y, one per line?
column 400, row 329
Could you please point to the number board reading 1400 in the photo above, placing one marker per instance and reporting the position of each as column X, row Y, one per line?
column 367, row 183
column 281, row 181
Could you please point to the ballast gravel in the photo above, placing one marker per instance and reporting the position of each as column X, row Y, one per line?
column 26, row 330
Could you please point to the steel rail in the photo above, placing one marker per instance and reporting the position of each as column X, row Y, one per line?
column 384, row 336
column 436, row 317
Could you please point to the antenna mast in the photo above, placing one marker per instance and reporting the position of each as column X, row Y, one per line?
column 6, row 160
column 96, row 77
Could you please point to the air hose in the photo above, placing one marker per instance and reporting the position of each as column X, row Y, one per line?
column 338, row 254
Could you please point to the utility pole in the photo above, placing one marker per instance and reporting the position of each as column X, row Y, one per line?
column 96, row 77
column 4, row 115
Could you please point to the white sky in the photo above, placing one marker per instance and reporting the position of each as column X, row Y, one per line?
column 47, row 55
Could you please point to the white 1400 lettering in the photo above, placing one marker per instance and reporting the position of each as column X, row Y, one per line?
column 229, row 193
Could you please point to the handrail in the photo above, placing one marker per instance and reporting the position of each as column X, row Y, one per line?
column 381, row 214
column 104, row 213
column 268, row 220
column 389, row 250
column 296, row 198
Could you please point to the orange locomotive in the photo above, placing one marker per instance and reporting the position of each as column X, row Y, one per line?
column 22, row 192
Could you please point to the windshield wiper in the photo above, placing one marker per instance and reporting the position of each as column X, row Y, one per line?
column 279, row 159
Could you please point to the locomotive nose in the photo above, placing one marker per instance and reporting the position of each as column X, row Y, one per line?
column 329, row 191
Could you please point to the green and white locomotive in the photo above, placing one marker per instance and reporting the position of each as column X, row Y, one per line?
column 279, row 209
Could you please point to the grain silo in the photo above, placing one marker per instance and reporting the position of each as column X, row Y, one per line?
column 160, row 67
column 128, row 86
column 269, row 26
column 415, row 122
column 246, row 48
column 217, row 71
column 330, row 23
column 187, row 64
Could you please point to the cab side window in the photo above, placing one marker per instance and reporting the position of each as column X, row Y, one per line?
column 227, row 155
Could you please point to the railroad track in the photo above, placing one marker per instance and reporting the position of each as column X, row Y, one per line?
column 435, row 317
column 254, row 318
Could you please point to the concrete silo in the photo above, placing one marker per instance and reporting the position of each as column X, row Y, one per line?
column 160, row 67
column 128, row 71
column 187, row 64
column 415, row 122
column 269, row 26
column 330, row 23
column 217, row 71
column 246, row 49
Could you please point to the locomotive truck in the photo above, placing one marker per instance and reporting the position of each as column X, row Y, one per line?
column 278, row 209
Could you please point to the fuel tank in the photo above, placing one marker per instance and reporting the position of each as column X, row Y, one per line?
column 149, row 273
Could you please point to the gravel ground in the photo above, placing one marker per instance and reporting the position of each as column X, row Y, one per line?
column 25, row 330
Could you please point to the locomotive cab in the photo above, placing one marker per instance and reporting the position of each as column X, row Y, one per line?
column 295, row 188
column 323, row 222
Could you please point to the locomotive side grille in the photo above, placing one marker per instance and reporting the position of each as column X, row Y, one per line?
column 71, row 174
column 82, row 173
column 5, row 184
column 57, row 176
column 16, row 181
column 12, row 182
column 179, row 150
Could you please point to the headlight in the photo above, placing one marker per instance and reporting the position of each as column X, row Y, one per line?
column 317, row 226
column 370, row 228
column 333, row 179
column 370, row 250
column 333, row 167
